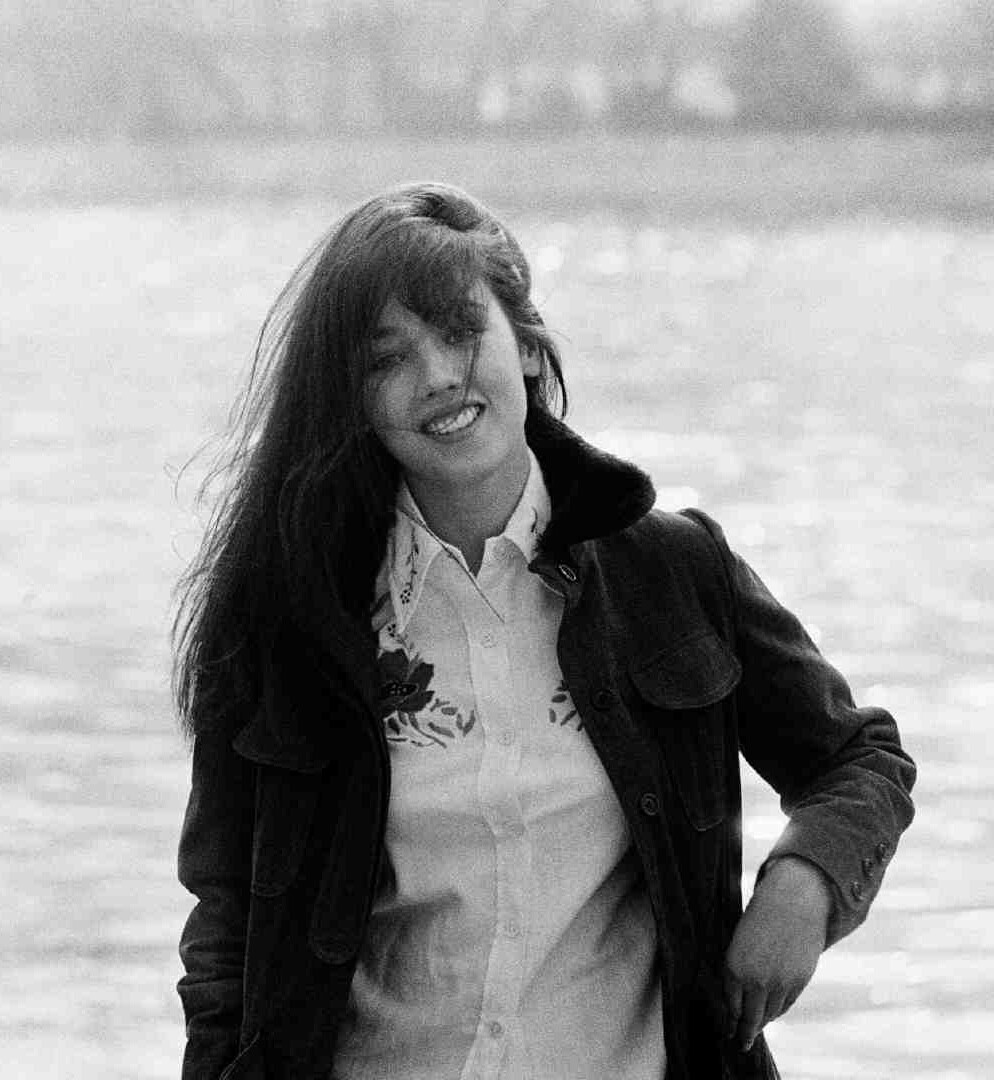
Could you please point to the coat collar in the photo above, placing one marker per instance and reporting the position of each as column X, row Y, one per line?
column 593, row 493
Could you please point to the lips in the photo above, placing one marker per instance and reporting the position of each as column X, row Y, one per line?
column 450, row 423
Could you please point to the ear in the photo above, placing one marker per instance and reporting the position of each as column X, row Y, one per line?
column 531, row 361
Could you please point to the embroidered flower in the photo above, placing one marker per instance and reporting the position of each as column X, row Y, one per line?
column 405, row 682
column 412, row 712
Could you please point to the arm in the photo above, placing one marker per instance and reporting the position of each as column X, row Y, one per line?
column 843, row 778
column 844, row 781
column 215, row 854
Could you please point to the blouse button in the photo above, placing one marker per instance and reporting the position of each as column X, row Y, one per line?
column 649, row 804
column 881, row 850
column 566, row 571
column 857, row 891
column 496, row 1029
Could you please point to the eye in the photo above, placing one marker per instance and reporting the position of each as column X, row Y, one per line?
column 384, row 361
column 463, row 335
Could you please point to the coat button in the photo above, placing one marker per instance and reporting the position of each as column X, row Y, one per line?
column 603, row 699
column 867, row 867
column 882, row 850
column 566, row 571
column 649, row 804
column 857, row 891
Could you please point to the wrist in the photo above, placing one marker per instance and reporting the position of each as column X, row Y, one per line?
column 803, row 880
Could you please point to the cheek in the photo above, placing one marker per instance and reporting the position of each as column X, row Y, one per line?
column 382, row 404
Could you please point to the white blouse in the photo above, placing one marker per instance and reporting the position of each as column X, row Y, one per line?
column 512, row 937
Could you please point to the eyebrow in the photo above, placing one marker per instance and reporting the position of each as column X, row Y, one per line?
column 382, row 333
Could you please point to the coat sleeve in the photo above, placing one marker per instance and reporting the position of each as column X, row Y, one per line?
column 843, row 778
column 215, row 861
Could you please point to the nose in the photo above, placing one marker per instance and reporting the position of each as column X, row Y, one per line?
column 443, row 367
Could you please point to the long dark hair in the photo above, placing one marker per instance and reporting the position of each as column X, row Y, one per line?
column 295, row 539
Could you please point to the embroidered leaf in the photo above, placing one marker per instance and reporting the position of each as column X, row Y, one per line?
column 393, row 725
column 552, row 716
column 449, row 710
column 441, row 730
column 559, row 698
column 426, row 734
column 569, row 716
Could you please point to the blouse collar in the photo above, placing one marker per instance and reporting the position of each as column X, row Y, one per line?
column 412, row 547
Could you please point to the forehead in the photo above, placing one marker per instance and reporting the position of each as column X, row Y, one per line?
column 396, row 319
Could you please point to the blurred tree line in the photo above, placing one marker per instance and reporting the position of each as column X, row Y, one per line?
column 141, row 68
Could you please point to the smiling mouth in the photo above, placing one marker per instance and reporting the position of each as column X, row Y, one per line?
column 453, row 422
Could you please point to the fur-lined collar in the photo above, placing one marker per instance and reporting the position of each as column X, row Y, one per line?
column 593, row 493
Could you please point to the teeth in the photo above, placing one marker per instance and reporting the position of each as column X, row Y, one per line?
column 462, row 419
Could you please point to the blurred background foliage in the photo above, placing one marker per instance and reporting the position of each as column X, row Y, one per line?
column 166, row 68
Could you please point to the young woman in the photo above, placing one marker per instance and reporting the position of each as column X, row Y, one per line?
column 466, row 713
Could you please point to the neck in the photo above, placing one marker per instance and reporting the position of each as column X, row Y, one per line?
column 466, row 516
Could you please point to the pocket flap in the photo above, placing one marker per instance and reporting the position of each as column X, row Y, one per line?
column 259, row 742
column 697, row 672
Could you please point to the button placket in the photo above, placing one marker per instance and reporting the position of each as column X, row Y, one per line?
column 492, row 675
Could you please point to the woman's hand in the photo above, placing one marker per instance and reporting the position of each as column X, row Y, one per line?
column 775, row 947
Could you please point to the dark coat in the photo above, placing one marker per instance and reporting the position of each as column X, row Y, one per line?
column 677, row 658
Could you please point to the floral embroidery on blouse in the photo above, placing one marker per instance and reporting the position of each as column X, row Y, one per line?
column 412, row 712
column 411, row 562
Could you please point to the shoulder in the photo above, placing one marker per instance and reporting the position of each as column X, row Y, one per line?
column 679, row 562
column 689, row 537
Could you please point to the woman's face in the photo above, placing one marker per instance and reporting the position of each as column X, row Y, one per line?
column 446, row 435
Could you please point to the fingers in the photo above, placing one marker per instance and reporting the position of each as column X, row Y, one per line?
column 750, row 1009
column 753, row 1016
column 733, row 1005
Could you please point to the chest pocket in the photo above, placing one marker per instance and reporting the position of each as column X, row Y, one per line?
column 289, row 780
column 285, row 803
column 683, row 689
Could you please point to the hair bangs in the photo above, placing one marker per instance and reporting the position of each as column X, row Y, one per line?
column 432, row 270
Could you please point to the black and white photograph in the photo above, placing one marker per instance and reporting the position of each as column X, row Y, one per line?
column 496, row 539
